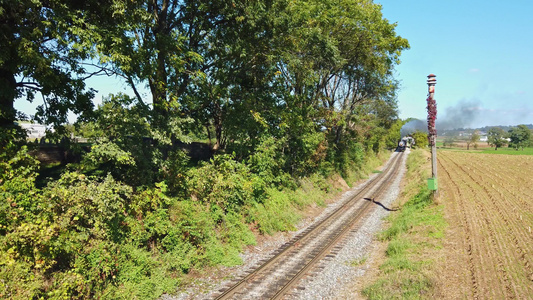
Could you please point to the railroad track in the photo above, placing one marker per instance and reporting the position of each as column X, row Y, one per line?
column 278, row 276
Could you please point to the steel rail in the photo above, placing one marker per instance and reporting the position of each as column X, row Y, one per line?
column 383, row 177
column 343, row 232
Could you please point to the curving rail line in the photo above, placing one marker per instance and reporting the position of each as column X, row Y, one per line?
column 278, row 275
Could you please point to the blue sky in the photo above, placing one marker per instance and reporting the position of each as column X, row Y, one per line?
column 481, row 52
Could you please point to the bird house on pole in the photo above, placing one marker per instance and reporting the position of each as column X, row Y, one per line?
column 432, row 131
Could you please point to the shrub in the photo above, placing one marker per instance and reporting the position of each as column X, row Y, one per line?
column 174, row 172
column 276, row 213
column 223, row 182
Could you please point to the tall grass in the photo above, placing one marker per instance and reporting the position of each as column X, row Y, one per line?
column 282, row 209
column 371, row 162
column 412, row 234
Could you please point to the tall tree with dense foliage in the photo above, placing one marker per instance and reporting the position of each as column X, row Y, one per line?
column 337, row 72
column 520, row 137
column 41, row 51
column 235, row 99
column 394, row 134
column 244, row 68
column 497, row 137
column 472, row 140
column 177, row 47
column 421, row 139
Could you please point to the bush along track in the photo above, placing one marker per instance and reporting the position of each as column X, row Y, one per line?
column 84, row 236
column 414, row 235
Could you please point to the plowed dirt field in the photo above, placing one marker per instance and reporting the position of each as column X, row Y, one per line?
column 488, row 248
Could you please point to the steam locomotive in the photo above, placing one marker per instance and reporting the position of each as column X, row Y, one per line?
column 405, row 142
column 401, row 146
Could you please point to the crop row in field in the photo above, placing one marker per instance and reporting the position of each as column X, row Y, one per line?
column 489, row 248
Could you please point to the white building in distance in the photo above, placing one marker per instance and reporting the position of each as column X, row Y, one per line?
column 35, row 131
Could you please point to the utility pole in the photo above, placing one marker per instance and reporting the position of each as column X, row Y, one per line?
column 432, row 136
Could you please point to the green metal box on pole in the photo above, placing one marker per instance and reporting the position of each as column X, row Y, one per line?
column 432, row 184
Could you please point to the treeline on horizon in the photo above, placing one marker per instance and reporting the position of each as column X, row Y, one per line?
column 287, row 93
column 487, row 128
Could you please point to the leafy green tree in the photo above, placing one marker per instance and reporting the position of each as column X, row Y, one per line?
column 421, row 139
column 126, row 144
column 497, row 137
column 243, row 69
column 142, row 43
column 449, row 141
column 205, row 59
column 394, row 135
column 336, row 65
column 41, row 51
column 175, row 47
column 236, row 97
column 472, row 140
column 520, row 137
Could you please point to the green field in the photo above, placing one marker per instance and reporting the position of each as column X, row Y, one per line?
column 504, row 150
column 509, row 151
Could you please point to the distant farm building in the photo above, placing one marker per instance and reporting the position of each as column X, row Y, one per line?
column 35, row 131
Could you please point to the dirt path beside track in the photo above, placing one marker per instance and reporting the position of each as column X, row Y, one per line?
column 488, row 247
